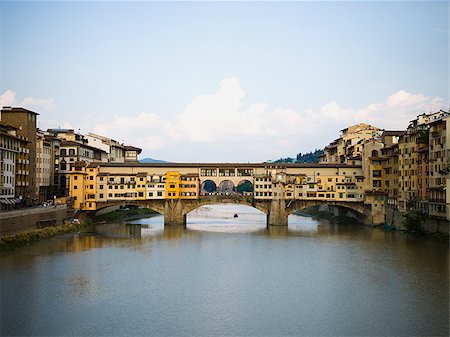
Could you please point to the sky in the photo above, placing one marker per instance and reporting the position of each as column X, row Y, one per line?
column 224, row 81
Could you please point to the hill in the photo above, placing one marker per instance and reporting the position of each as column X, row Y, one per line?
column 151, row 160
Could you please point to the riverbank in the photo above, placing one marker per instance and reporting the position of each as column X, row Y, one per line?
column 317, row 214
column 24, row 238
column 28, row 236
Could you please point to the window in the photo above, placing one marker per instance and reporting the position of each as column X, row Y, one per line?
column 159, row 194
column 376, row 173
column 101, row 195
column 101, row 187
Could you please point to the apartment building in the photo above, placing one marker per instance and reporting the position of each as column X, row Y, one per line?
column 349, row 147
column 25, row 122
column 390, row 165
column 10, row 146
column 115, row 151
column 438, row 167
column 423, row 161
column 44, row 156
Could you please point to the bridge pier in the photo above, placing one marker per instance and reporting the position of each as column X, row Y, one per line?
column 173, row 213
column 277, row 214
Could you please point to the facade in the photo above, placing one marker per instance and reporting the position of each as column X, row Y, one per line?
column 439, row 164
column 390, row 165
column 71, row 152
column 349, row 147
column 43, row 167
column 423, row 163
column 95, row 184
column 132, row 153
column 10, row 145
column 25, row 121
column 114, row 150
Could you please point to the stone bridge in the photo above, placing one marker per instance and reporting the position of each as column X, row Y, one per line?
column 277, row 210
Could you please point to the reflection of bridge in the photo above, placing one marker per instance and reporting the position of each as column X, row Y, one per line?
column 176, row 189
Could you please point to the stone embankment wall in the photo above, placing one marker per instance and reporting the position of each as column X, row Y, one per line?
column 28, row 219
column 394, row 217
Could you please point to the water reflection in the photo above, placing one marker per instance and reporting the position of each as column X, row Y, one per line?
column 226, row 274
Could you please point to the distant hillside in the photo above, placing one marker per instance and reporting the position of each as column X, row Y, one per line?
column 310, row 157
column 151, row 160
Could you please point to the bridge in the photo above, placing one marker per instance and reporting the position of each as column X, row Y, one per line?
column 174, row 190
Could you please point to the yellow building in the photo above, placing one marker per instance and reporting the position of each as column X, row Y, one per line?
column 189, row 186
column 173, row 180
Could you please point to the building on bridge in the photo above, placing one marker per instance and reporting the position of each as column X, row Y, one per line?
column 158, row 185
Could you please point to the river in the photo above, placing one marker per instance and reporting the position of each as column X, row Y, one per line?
column 227, row 276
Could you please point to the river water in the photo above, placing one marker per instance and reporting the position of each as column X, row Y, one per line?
column 227, row 276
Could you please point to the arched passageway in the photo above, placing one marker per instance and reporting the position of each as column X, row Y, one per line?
column 226, row 187
column 245, row 187
column 208, row 187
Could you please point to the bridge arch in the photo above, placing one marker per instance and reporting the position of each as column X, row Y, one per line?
column 244, row 187
column 154, row 205
column 357, row 210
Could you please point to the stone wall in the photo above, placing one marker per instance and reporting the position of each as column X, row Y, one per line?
column 394, row 217
column 28, row 219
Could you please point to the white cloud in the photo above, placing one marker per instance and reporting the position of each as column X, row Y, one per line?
column 38, row 103
column 8, row 98
column 219, row 127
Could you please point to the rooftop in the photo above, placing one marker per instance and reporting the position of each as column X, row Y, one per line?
column 17, row 110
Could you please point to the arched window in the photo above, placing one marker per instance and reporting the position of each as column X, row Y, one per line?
column 63, row 165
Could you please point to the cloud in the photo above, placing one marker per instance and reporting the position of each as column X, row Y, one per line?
column 218, row 126
column 40, row 103
column 8, row 98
